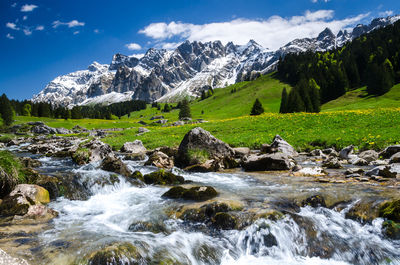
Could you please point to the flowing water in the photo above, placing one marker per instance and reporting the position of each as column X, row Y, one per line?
column 310, row 236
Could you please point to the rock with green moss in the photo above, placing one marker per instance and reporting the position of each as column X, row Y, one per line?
column 91, row 151
column 391, row 229
column 225, row 221
column 163, row 178
column 314, row 201
column 200, row 193
column 390, row 210
column 81, row 156
column 115, row 254
column 137, row 175
column 160, row 160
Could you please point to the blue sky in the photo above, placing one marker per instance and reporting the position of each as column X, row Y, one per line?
column 40, row 40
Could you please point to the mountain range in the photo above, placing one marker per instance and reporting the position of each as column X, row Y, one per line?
column 168, row 75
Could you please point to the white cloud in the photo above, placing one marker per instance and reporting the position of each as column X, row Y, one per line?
column 14, row 5
column 386, row 13
column 12, row 26
column 76, row 32
column 27, row 32
column 96, row 31
column 9, row 36
column 272, row 33
column 28, row 8
column 133, row 46
column 24, row 17
column 39, row 28
column 316, row 1
column 71, row 24
column 168, row 45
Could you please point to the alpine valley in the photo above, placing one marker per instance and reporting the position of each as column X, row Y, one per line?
column 168, row 75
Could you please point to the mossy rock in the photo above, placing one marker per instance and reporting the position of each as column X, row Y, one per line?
column 116, row 254
column 51, row 184
column 14, row 205
column 143, row 226
column 314, row 201
column 225, row 221
column 163, row 178
column 390, row 211
column 201, row 193
column 137, row 175
column 81, row 156
column 391, row 229
column 11, row 173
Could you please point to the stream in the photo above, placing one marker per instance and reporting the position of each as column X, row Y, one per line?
column 308, row 236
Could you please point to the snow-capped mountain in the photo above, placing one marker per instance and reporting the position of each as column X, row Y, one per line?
column 165, row 75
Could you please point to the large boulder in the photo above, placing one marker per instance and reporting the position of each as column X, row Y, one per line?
column 27, row 201
column 369, row 155
column 199, row 145
column 279, row 145
column 135, row 147
column 198, row 193
column 160, row 160
column 385, row 171
column 395, row 158
column 44, row 129
column 390, row 150
column 267, row 162
column 113, row 164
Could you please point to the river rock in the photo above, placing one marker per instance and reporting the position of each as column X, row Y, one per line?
column 369, row 155
column 267, row 162
column 7, row 181
column 160, row 160
column 163, row 178
column 210, row 165
column 346, row 152
column 360, row 162
column 117, row 253
column 395, row 158
column 44, row 129
column 113, row 164
column 384, row 171
column 317, row 152
column 135, row 157
column 356, row 170
column 390, row 210
column 135, row 147
column 364, row 211
column 391, row 229
column 279, row 145
column 200, row 193
column 93, row 151
column 29, row 162
column 224, row 221
column 51, row 184
column 198, row 145
column 314, row 201
column 390, row 150
column 332, row 162
column 331, row 152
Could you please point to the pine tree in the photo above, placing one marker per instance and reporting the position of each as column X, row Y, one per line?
column 6, row 110
column 295, row 103
column 284, row 101
column 314, row 96
column 184, row 109
column 257, row 108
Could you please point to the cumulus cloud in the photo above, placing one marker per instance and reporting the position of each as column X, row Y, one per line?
column 9, row 36
column 27, row 32
column 272, row 33
column 133, row 46
column 28, row 8
column 11, row 25
column 71, row 24
column 40, row 28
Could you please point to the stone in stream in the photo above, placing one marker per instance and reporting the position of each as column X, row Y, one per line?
column 369, row 155
column 384, row 171
column 318, row 153
column 346, row 152
column 8, row 181
column 356, row 170
column 241, row 152
column 29, row 162
column 163, row 178
column 6, row 259
column 314, row 201
column 390, row 210
column 113, row 164
column 135, row 147
column 391, row 229
column 360, row 162
column 116, row 253
column 200, row 193
column 279, row 145
column 267, row 162
column 199, row 145
column 390, row 150
column 332, row 162
column 94, row 150
column 364, row 211
column 331, row 152
column 160, row 160
column 395, row 158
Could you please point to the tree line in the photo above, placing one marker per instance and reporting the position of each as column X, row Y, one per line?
column 372, row 60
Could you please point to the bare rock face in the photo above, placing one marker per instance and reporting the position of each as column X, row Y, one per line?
column 160, row 160
column 267, row 162
column 199, row 145
column 279, row 145
column 135, row 147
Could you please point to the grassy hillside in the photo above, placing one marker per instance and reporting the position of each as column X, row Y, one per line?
column 359, row 99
